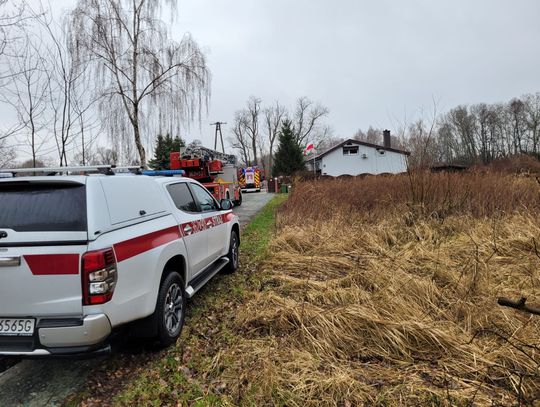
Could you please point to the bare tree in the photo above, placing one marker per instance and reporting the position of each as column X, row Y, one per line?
column 105, row 156
column 246, row 136
column 261, row 145
column 307, row 118
column 517, row 112
column 481, row 112
column 371, row 135
column 137, row 66
column 7, row 153
column 532, row 119
column 250, row 121
column 273, row 116
column 27, row 94
column 69, row 90
column 463, row 124
column 12, row 17
column 245, row 131
column 88, row 123
column 240, row 140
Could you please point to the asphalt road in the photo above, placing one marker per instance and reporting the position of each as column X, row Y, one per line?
column 251, row 205
column 48, row 382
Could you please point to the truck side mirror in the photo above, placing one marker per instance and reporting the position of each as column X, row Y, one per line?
column 226, row 204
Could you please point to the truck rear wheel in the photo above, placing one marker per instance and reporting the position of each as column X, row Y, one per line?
column 170, row 309
column 233, row 254
column 239, row 201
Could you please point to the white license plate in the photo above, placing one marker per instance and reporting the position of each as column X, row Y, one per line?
column 17, row 327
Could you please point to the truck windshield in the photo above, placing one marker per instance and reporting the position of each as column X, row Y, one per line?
column 42, row 207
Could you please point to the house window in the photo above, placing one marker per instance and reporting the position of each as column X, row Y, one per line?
column 350, row 150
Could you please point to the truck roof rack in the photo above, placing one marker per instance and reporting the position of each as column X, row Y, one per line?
column 92, row 169
column 166, row 173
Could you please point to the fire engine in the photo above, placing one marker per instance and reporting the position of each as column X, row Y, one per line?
column 249, row 179
column 215, row 170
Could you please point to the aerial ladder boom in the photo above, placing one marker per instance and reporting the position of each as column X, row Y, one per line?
column 214, row 169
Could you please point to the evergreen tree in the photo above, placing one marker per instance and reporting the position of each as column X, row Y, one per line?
column 289, row 157
column 164, row 147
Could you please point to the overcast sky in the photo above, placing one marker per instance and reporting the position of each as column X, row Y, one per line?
column 370, row 62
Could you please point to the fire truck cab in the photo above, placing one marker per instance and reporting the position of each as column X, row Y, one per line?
column 250, row 179
column 215, row 170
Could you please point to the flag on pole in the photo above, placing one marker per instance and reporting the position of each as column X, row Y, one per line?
column 310, row 148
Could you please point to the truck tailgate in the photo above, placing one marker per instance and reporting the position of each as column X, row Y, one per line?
column 41, row 280
column 43, row 233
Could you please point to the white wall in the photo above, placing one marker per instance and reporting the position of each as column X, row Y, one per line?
column 335, row 163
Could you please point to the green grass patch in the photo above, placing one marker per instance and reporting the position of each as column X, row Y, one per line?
column 257, row 233
column 183, row 374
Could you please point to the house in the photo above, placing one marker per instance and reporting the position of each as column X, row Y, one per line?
column 354, row 157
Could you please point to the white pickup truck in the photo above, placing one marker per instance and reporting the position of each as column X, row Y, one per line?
column 81, row 255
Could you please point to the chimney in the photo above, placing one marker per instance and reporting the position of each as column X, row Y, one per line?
column 386, row 139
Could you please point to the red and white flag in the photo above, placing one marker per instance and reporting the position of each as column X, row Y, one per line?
column 310, row 148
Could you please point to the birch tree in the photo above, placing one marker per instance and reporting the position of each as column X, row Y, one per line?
column 532, row 118
column 142, row 73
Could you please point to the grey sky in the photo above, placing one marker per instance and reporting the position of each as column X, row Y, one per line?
column 370, row 62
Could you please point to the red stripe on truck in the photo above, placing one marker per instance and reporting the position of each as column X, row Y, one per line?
column 52, row 264
column 132, row 247
column 190, row 228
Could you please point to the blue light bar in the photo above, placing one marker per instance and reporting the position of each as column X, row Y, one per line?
column 163, row 172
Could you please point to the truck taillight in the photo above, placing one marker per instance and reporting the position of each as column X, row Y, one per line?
column 99, row 276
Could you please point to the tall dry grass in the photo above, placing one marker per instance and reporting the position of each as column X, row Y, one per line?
column 377, row 296
column 436, row 195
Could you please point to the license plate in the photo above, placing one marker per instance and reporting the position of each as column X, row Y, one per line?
column 17, row 327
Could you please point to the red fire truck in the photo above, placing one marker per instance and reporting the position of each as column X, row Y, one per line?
column 249, row 179
column 215, row 170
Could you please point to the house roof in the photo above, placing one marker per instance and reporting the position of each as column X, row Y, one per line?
column 361, row 143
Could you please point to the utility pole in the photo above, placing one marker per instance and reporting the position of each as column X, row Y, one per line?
column 218, row 130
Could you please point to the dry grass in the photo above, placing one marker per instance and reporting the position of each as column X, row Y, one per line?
column 423, row 193
column 376, row 296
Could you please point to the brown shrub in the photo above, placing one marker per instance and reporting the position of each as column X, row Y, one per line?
column 418, row 194
column 516, row 164
column 375, row 297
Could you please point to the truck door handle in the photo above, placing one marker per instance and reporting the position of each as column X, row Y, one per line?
column 187, row 230
column 10, row 261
